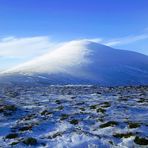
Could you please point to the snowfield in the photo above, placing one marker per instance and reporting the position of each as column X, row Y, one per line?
column 73, row 116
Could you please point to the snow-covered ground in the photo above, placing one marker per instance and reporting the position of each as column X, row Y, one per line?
column 73, row 116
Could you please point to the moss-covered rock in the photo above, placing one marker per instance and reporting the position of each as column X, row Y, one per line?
column 123, row 135
column 55, row 135
column 11, row 136
column 141, row 100
column 64, row 116
column 141, row 141
column 82, row 109
column 14, row 143
column 133, row 125
column 8, row 108
column 57, row 101
column 101, row 110
column 11, row 107
column 74, row 121
column 93, row 106
column 60, row 107
column 107, row 124
column 45, row 112
column 30, row 141
column 25, row 128
column 106, row 104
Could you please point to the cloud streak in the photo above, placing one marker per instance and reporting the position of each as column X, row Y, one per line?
column 25, row 47
column 35, row 46
column 126, row 40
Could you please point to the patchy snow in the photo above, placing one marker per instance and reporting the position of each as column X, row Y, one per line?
column 73, row 116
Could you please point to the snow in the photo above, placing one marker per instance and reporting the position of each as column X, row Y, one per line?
column 73, row 116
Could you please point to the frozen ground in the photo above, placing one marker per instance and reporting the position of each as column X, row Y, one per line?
column 73, row 117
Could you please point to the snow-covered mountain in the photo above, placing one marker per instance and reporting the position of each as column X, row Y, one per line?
column 82, row 62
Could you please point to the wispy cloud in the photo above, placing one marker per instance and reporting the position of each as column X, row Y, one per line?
column 24, row 47
column 126, row 40
column 34, row 46
column 120, row 41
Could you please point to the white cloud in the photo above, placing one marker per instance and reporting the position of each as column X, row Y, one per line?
column 36, row 46
column 126, row 40
column 97, row 40
column 25, row 47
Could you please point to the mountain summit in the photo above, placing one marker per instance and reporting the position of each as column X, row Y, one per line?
column 83, row 62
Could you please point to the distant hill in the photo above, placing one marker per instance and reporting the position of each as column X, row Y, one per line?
column 82, row 62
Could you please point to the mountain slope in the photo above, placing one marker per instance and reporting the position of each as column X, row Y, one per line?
column 83, row 62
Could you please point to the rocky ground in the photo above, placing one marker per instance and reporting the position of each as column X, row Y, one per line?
column 73, row 116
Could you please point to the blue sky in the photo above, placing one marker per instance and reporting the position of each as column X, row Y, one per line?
column 63, row 20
